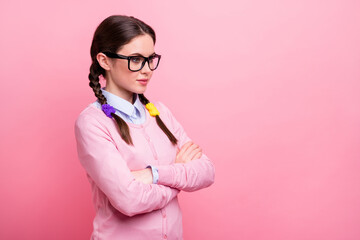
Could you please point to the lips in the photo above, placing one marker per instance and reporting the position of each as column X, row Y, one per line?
column 143, row 81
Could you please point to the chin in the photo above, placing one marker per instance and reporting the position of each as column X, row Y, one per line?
column 140, row 91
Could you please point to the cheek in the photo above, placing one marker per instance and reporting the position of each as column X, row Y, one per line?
column 124, row 73
column 123, row 67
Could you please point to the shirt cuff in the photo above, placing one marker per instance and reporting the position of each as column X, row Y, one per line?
column 155, row 173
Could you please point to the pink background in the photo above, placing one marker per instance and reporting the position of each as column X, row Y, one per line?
column 269, row 89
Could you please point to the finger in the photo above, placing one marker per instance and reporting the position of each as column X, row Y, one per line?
column 197, row 156
column 194, row 153
column 179, row 154
column 184, row 148
column 190, row 151
column 178, row 159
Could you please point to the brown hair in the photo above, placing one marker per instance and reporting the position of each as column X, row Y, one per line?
column 112, row 33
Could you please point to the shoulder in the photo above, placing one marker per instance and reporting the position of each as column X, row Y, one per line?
column 91, row 116
column 161, row 107
column 165, row 113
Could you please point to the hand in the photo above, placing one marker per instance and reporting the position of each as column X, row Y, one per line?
column 144, row 176
column 188, row 152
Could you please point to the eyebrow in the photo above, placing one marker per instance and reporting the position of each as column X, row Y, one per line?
column 139, row 54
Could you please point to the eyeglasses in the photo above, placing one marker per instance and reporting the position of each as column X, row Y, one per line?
column 136, row 63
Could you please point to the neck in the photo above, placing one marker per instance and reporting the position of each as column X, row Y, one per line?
column 128, row 96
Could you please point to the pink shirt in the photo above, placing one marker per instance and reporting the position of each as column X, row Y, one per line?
column 126, row 208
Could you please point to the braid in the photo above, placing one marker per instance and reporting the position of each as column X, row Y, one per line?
column 95, row 71
column 123, row 128
column 143, row 99
column 159, row 122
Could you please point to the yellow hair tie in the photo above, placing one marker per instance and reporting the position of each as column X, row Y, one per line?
column 152, row 109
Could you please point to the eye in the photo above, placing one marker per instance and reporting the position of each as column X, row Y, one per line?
column 152, row 58
column 136, row 59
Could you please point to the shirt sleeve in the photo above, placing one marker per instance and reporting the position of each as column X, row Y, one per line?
column 191, row 176
column 106, row 167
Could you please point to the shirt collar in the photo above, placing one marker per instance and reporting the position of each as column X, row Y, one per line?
column 120, row 104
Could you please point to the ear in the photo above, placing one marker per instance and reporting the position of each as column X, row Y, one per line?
column 103, row 61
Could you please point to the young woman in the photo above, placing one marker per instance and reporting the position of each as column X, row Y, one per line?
column 136, row 155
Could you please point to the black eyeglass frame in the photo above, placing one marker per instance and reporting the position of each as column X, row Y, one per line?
column 146, row 59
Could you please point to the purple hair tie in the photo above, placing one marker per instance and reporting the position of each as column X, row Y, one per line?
column 108, row 110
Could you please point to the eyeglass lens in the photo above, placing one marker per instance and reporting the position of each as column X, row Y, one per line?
column 137, row 62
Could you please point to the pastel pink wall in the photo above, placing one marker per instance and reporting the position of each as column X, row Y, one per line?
column 269, row 89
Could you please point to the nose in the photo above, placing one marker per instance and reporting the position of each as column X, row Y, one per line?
column 146, row 68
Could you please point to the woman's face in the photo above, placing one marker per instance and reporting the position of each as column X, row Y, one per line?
column 119, row 79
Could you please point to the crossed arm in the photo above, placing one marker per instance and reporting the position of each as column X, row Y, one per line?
column 191, row 170
column 130, row 192
column 190, row 151
column 110, row 173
